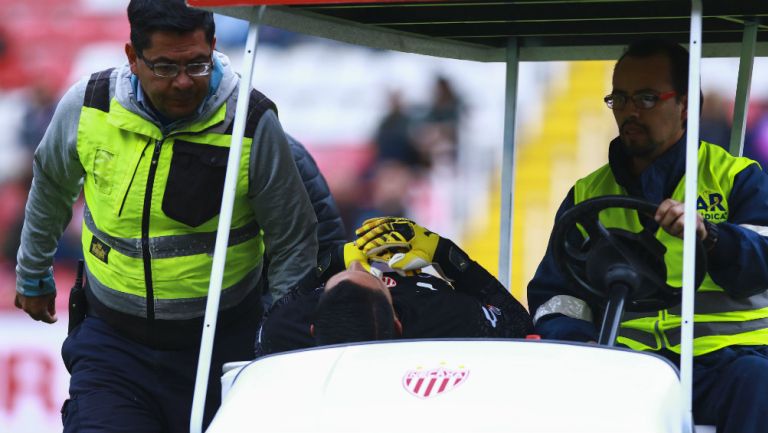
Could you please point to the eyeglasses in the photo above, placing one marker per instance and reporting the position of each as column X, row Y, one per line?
column 642, row 101
column 171, row 70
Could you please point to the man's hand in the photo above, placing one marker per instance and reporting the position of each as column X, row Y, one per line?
column 41, row 308
column 671, row 214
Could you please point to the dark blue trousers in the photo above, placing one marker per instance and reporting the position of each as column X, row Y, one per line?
column 118, row 385
column 730, row 389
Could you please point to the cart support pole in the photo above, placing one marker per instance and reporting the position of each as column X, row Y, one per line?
column 689, row 233
column 225, row 223
column 508, row 164
column 746, row 62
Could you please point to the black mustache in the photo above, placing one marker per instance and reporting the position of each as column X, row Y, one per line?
column 633, row 123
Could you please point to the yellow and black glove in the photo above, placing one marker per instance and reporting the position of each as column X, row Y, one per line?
column 351, row 253
column 376, row 227
column 404, row 245
column 337, row 259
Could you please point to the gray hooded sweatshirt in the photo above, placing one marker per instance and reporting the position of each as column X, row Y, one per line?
column 276, row 193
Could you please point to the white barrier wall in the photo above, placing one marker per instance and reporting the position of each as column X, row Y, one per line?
column 33, row 380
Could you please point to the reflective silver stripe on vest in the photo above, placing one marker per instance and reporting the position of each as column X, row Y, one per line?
column 706, row 329
column 719, row 302
column 163, row 247
column 712, row 303
column 700, row 329
column 566, row 305
column 761, row 230
column 171, row 309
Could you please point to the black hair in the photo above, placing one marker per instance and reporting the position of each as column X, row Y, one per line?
column 349, row 313
column 148, row 16
column 677, row 55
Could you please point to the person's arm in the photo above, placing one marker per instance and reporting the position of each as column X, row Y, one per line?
column 469, row 277
column 556, row 314
column 282, row 207
column 738, row 261
column 55, row 186
column 286, row 326
column 330, row 227
column 408, row 247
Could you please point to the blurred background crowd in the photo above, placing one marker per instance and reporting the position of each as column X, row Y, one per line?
column 393, row 133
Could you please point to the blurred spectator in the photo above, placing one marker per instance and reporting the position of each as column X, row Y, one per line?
column 391, row 185
column 40, row 105
column 344, row 168
column 389, row 189
column 438, row 136
column 410, row 143
column 282, row 38
column 756, row 137
column 232, row 32
column 716, row 120
column 348, row 190
column 37, row 114
column 9, row 62
column 13, row 195
column 393, row 137
column 3, row 44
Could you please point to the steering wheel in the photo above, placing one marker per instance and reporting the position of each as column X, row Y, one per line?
column 611, row 255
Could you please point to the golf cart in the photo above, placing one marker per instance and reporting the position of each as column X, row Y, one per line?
column 501, row 385
column 486, row 385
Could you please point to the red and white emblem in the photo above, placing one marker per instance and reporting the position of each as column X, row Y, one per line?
column 389, row 281
column 429, row 383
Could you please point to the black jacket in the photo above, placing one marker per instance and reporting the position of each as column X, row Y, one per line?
column 330, row 227
column 477, row 306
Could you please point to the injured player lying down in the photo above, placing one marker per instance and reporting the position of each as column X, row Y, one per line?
column 346, row 300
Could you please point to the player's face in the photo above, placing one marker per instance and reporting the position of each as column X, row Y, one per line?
column 358, row 275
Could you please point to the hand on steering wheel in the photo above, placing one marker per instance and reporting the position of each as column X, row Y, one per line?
column 591, row 265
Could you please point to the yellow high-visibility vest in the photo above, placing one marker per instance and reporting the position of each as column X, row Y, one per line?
column 720, row 320
column 151, row 210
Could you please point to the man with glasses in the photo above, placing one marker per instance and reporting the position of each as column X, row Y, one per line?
column 148, row 145
column 647, row 160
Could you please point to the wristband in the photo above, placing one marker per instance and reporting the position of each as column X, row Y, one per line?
column 713, row 234
column 36, row 286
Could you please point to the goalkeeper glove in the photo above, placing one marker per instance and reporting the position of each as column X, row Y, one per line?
column 352, row 253
column 405, row 245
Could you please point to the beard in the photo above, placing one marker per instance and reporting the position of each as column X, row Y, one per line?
column 641, row 146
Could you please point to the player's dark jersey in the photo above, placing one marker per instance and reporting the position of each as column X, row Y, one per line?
column 476, row 306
